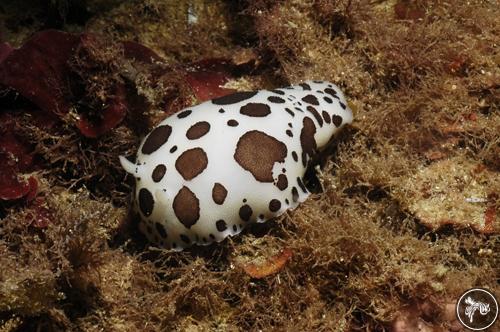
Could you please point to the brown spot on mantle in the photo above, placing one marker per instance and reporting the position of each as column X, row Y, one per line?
column 255, row 109
column 257, row 152
column 198, row 130
column 186, row 207
column 191, row 163
column 156, row 139
column 307, row 139
column 219, row 193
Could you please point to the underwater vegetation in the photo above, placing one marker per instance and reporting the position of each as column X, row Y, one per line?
column 403, row 215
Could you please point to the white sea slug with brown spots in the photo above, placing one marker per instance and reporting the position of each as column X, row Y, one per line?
column 207, row 171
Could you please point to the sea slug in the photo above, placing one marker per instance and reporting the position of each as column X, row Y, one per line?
column 207, row 171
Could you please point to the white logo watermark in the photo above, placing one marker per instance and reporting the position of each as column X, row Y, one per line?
column 472, row 306
column 477, row 309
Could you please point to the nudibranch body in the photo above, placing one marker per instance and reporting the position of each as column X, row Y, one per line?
column 207, row 171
